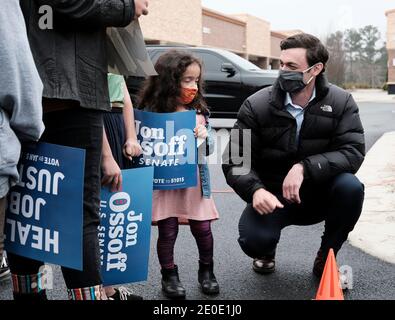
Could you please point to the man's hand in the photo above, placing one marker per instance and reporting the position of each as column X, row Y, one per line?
column 141, row 7
column 264, row 202
column 111, row 173
column 292, row 184
column 131, row 149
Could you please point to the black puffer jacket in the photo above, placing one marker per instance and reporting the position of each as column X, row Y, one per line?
column 331, row 140
column 71, row 58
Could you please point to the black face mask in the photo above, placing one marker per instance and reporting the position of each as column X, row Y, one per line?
column 292, row 81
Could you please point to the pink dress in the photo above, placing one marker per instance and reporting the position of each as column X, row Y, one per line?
column 184, row 204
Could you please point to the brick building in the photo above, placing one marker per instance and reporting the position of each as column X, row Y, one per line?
column 391, row 50
column 186, row 22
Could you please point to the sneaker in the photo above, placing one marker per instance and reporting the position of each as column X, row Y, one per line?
column 123, row 293
column 4, row 269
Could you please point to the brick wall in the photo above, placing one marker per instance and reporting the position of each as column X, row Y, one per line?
column 258, row 35
column 174, row 21
column 186, row 22
column 391, row 70
column 223, row 32
column 391, row 29
column 391, row 45
column 275, row 46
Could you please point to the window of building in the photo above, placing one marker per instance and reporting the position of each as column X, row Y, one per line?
column 206, row 30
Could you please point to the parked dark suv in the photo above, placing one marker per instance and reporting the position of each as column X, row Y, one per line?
column 229, row 78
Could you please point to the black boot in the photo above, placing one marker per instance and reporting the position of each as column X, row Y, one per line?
column 206, row 278
column 171, row 285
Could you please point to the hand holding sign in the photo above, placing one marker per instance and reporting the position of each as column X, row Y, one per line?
column 200, row 131
column 168, row 143
column 125, row 230
column 112, row 175
column 131, row 149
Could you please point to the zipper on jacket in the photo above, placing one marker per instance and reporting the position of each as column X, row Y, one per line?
column 311, row 103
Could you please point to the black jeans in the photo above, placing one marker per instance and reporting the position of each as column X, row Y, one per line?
column 79, row 128
column 338, row 203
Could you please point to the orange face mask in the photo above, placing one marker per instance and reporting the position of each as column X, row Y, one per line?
column 187, row 95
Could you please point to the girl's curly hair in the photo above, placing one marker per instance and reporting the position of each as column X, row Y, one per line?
column 161, row 93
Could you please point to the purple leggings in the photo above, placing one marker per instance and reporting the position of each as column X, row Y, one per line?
column 168, row 231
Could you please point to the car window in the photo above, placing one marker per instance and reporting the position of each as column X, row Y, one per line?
column 239, row 61
column 211, row 63
column 154, row 55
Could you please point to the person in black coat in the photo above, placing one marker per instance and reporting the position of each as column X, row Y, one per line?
column 72, row 63
column 301, row 142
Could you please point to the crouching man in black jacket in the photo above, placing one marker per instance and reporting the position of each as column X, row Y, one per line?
column 307, row 142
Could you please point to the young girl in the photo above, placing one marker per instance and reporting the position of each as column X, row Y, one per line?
column 178, row 88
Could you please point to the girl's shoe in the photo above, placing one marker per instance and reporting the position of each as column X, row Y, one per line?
column 171, row 285
column 207, row 280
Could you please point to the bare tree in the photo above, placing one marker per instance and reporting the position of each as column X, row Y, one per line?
column 370, row 37
column 353, row 46
column 336, row 68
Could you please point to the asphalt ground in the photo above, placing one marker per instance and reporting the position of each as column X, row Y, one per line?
column 372, row 279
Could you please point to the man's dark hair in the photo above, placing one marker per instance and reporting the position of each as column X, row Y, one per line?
column 316, row 51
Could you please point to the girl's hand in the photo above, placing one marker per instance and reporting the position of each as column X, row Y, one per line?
column 131, row 148
column 112, row 175
column 200, row 132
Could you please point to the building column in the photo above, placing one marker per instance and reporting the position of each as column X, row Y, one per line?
column 391, row 71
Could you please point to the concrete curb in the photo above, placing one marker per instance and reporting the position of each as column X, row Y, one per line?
column 375, row 231
column 372, row 95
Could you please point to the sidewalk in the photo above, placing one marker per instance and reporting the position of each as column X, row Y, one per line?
column 375, row 231
column 372, row 95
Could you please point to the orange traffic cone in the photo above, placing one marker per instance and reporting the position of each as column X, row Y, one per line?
column 330, row 288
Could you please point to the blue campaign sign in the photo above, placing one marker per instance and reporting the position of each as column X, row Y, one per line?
column 125, row 230
column 168, row 144
column 45, row 209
